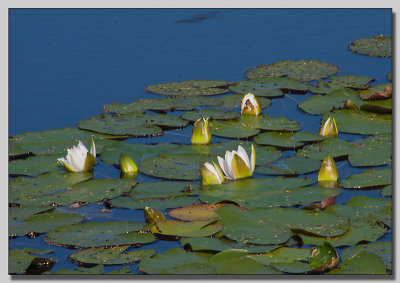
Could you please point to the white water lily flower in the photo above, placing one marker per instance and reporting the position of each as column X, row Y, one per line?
column 237, row 165
column 201, row 132
column 211, row 174
column 250, row 105
column 79, row 159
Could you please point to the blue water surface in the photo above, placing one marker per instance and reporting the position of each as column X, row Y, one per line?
column 66, row 64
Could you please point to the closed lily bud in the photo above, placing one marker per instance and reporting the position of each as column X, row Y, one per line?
column 237, row 164
column 211, row 174
column 250, row 105
column 93, row 148
column 329, row 128
column 328, row 171
column 201, row 132
column 349, row 104
column 78, row 159
column 152, row 215
column 127, row 164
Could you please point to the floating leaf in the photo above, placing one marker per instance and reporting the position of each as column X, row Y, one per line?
column 189, row 88
column 286, row 139
column 112, row 255
column 207, row 244
column 231, row 130
column 304, row 70
column 368, row 178
column 292, row 267
column 362, row 263
column 387, row 191
column 283, row 255
column 191, row 269
column 383, row 249
column 376, row 46
column 98, row 234
column 349, row 81
column 171, row 259
column 157, row 203
column 195, row 212
column 290, row 166
column 96, row 270
column 164, row 189
column 199, row 228
column 323, row 257
column 20, row 260
column 369, row 94
column 269, row 123
column 378, row 106
column 373, row 151
column 320, row 104
column 234, row 101
column 336, row 147
column 34, row 165
column 210, row 113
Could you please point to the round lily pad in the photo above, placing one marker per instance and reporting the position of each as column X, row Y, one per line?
column 231, row 129
column 304, row 70
column 191, row 269
column 164, row 189
column 190, row 88
column 112, row 255
column 373, row 151
column 269, row 123
column 320, row 104
column 283, row 255
column 336, row 147
column 286, row 139
column 290, row 166
column 34, row 165
column 378, row 106
column 211, row 113
column 97, row 234
column 119, row 126
column 338, row 82
column 362, row 263
column 198, row 228
column 296, row 267
column 234, row 101
column 170, row 259
column 245, row 265
column 387, row 191
column 376, row 46
column 371, row 93
column 157, row 203
column 369, row 179
column 20, row 260
column 203, row 211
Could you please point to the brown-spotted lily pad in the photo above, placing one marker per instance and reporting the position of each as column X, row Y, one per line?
column 376, row 46
column 190, row 88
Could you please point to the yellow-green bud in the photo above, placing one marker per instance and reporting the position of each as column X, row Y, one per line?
column 328, row 171
column 211, row 174
column 329, row 128
column 250, row 105
column 349, row 104
column 201, row 132
column 127, row 164
column 152, row 215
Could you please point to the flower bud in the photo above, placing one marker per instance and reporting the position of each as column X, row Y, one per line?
column 127, row 164
column 152, row 215
column 349, row 104
column 328, row 171
column 201, row 132
column 329, row 128
column 211, row 174
column 250, row 105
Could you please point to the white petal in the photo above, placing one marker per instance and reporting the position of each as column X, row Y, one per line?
column 243, row 154
column 221, row 162
column 253, row 158
column 228, row 164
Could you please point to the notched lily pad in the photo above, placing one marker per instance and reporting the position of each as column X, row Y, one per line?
column 195, row 212
column 377, row 92
column 290, row 166
column 231, row 129
column 304, row 70
column 376, row 46
column 34, row 165
column 373, row 151
column 190, row 88
column 369, row 179
column 164, row 189
column 362, row 263
column 338, row 82
column 286, row 139
column 198, row 228
column 20, row 260
column 157, row 203
column 269, row 123
column 210, row 113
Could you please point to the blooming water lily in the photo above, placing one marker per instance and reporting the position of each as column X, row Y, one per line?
column 237, row 164
column 201, row 132
column 328, row 171
column 211, row 174
column 79, row 159
column 250, row 105
column 329, row 128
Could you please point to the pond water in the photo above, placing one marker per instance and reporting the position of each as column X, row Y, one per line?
column 66, row 64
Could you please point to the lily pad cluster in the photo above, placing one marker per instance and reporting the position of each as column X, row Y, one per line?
column 280, row 221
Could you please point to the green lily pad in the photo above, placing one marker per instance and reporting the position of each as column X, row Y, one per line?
column 96, row 270
column 267, row 192
column 15, row 151
column 98, row 234
column 111, row 153
column 383, row 249
column 290, row 166
column 157, row 203
column 191, row 269
column 373, row 151
column 28, row 191
column 119, row 126
column 362, row 263
column 108, row 256
column 190, row 88
column 376, row 46
column 171, row 259
column 378, row 106
column 231, row 129
column 57, row 141
column 286, row 139
column 339, row 82
column 207, row 244
column 234, row 101
column 369, row 93
column 245, row 87
column 17, row 214
column 20, row 260
column 323, row 257
column 174, row 166
column 212, row 113
column 123, row 271
column 369, row 178
column 199, row 228
column 283, row 255
column 203, row 211
column 336, row 147
column 387, row 191
column 358, row 122
column 44, row 222
column 292, row 267
column 269, row 123
column 164, row 189
column 34, row 165
column 361, row 229
column 320, row 104
column 304, row 70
